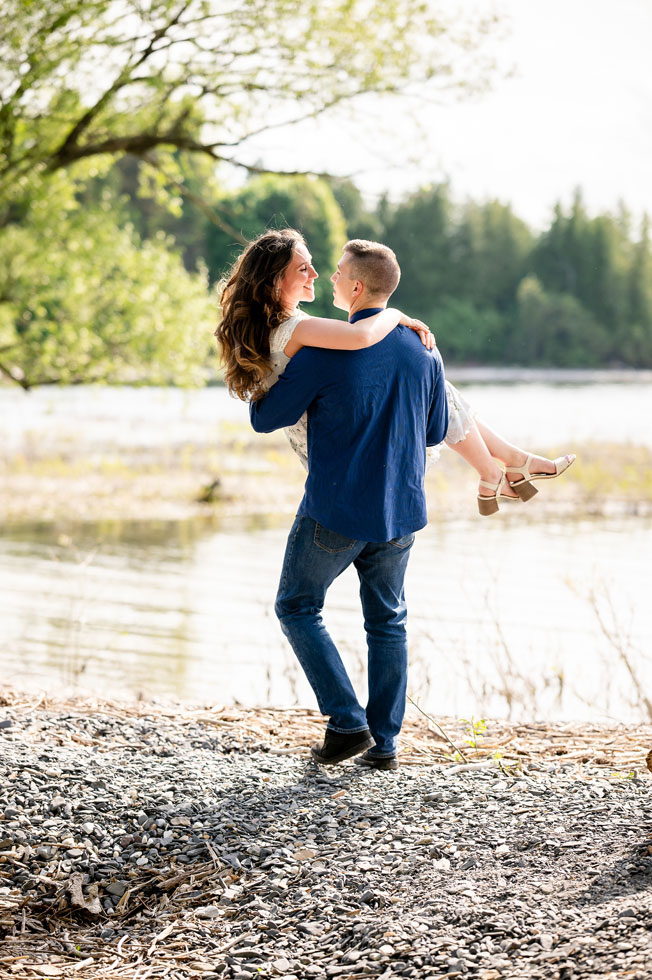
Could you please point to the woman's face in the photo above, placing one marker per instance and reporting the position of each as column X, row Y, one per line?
column 296, row 285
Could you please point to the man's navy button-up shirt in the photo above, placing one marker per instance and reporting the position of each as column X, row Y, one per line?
column 371, row 414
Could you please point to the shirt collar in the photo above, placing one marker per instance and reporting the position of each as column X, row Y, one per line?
column 363, row 314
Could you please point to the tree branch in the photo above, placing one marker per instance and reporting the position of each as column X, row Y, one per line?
column 210, row 212
column 11, row 374
column 140, row 144
column 311, row 114
column 136, row 145
column 123, row 79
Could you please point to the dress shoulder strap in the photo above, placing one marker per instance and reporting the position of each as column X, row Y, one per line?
column 280, row 336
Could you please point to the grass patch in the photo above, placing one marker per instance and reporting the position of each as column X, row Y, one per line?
column 262, row 475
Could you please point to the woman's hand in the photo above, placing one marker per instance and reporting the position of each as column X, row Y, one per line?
column 427, row 338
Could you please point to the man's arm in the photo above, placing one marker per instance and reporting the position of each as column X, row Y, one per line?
column 288, row 399
column 437, row 424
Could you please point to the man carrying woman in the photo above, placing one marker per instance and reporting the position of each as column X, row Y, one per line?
column 371, row 412
column 360, row 401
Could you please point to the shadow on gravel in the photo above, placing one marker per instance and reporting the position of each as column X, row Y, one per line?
column 629, row 876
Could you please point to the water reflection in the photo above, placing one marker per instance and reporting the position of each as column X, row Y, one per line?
column 504, row 615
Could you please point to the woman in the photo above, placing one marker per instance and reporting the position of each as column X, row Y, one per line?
column 262, row 327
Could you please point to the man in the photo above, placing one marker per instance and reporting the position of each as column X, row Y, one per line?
column 371, row 414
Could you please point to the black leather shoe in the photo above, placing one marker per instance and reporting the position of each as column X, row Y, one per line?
column 338, row 746
column 377, row 762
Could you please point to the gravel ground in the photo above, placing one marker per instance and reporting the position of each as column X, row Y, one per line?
column 144, row 845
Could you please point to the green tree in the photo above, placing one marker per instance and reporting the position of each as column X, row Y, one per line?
column 82, row 78
column 84, row 83
column 588, row 258
column 305, row 203
column 84, row 300
column 466, row 334
column 555, row 330
column 174, row 199
column 559, row 258
column 419, row 230
column 634, row 346
column 361, row 220
column 489, row 250
column 609, row 255
column 640, row 278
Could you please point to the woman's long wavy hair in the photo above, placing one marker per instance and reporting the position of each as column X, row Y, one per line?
column 251, row 306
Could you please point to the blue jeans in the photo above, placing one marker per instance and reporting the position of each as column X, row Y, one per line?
column 314, row 557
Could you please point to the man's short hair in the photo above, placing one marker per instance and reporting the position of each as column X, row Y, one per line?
column 375, row 265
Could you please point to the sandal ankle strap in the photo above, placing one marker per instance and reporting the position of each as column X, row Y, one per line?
column 493, row 486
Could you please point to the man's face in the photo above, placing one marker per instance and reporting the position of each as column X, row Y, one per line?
column 344, row 287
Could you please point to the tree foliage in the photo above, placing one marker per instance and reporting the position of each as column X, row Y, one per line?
column 82, row 78
column 82, row 299
column 578, row 294
column 361, row 220
column 114, row 115
column 489, row 247
column 554, row 329
column 177, row 197
column 466, row 333
column 418, row 229
column 305, row 203
column 85, row 84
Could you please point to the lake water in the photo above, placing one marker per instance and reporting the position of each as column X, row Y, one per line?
column 99, row 417
column 508, row 617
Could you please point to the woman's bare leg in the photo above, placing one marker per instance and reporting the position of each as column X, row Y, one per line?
column 474, row 450
column 508, row 453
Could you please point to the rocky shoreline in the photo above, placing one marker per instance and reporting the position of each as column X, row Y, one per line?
column 156, row 841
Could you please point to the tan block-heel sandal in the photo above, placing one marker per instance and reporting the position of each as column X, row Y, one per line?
column 523, row 487
column 489, row 505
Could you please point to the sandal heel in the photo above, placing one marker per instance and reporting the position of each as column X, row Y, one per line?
column 525, row 490
column 487, row 506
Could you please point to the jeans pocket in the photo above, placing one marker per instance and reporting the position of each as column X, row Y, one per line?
column 331, row 541
column 403, row 542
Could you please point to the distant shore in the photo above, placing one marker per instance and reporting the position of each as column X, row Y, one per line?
column 488, row 373
column 528, row 375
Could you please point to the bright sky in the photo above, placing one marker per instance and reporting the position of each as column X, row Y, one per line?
column 578, row 112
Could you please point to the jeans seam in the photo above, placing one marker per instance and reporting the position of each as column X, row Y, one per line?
column 311, row 677
column 290, row 550
column 402, row 547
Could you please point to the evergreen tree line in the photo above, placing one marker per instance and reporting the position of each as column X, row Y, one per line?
column 578, row 294
column 114, row 221
column 111, row 273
